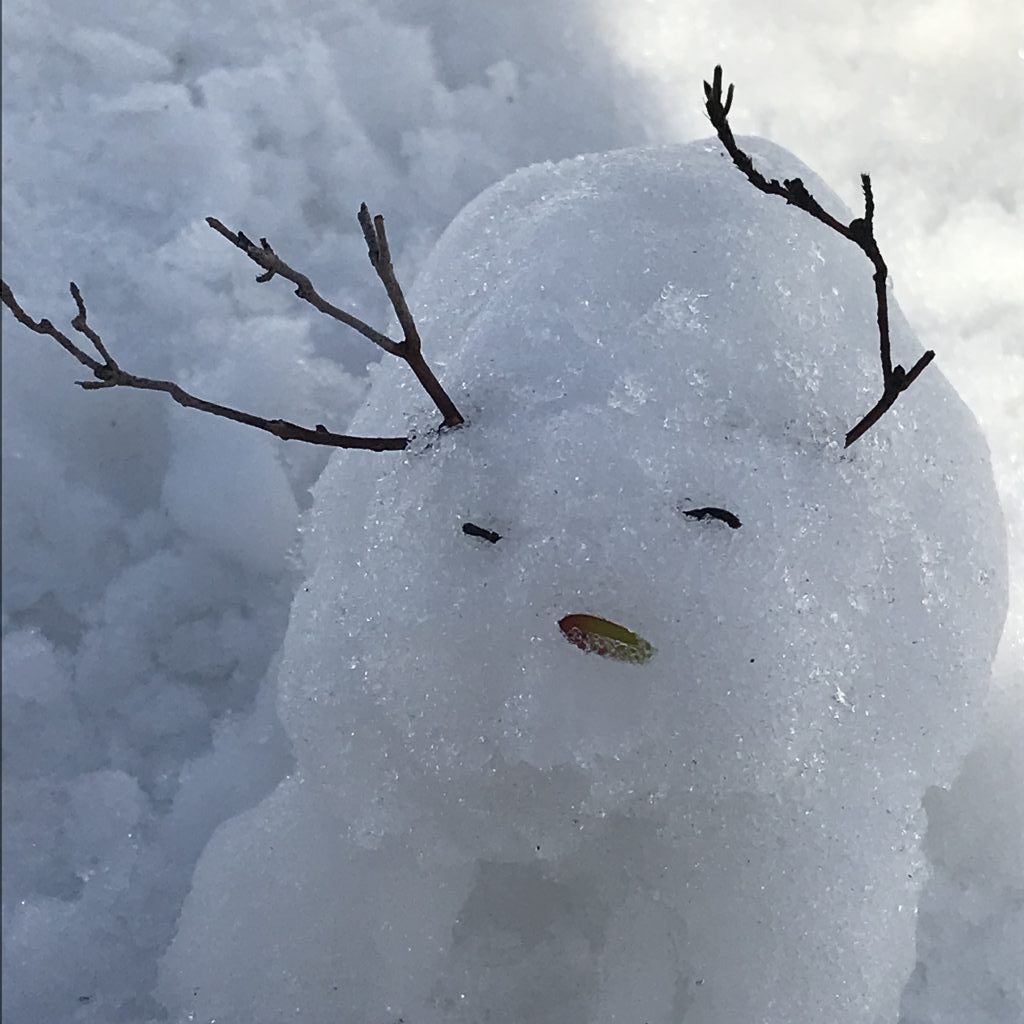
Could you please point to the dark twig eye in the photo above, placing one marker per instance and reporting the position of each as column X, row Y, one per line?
column 710, row 512
column 472, row 530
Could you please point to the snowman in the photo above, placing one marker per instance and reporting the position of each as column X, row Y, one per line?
column 618, row 703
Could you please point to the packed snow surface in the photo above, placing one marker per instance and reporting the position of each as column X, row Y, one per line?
column 486, row 823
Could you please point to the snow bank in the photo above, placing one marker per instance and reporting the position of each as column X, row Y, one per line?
column 487, row 823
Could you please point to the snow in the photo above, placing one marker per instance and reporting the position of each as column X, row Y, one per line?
column 728, row 831
column 151, row 555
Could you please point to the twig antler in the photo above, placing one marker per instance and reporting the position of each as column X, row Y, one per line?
column 379, row 251
column 109, row 374
column 860, row 231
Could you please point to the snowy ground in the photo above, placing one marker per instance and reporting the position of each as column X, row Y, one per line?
column 150, row 554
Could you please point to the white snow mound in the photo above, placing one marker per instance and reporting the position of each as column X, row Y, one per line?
column 489, row 824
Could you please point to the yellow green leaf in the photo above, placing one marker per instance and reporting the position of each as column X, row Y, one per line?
column 601, row 636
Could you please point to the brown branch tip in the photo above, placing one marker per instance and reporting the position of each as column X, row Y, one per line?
column 108, row 373
column 860, row 231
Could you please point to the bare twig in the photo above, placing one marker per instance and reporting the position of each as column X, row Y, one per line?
column 263, row 255
column 409, row 349
column 860, row 231
column 45, row 327
column 109, row 375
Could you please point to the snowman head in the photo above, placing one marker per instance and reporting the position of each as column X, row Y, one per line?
column 633, row 337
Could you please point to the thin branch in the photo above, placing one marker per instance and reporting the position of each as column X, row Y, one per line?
column 380, row 257
column 109, row 375
column 47, row 328
column 263, row 255
column 409, row 349
column 889, row 396
column 860, row 231
column 80, row 324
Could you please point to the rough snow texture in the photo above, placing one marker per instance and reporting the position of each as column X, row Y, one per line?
column 486, row 823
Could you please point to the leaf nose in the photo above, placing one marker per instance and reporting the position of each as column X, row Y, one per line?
column 595, row 635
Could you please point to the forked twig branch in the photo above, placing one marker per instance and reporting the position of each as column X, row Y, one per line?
column 109, row 374
column 860, row 231
column 409, row 349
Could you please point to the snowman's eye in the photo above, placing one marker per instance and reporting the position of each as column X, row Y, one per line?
column 472, row 530
column 711, row 512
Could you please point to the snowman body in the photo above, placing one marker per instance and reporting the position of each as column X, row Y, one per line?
column 487, row 823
